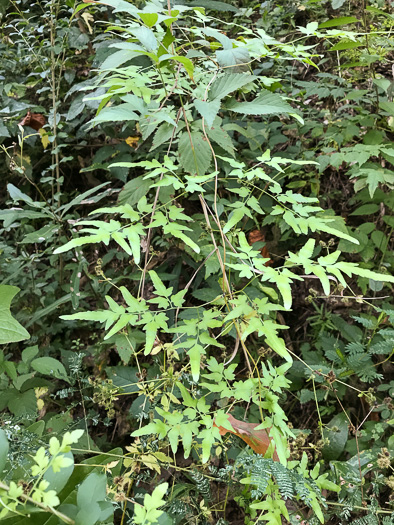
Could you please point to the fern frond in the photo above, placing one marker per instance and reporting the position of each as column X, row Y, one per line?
column 369, row 519
column 202, row 484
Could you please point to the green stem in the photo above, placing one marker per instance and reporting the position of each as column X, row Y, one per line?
column 46, row 508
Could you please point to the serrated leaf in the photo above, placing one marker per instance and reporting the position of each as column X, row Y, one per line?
column 187, row 64
column 321, row 274
column 338, row 21
column 163, row 134
column 176, row 231
column 208, row 110
column 122, row 112
column 306, row 251
column 369, row 274
column 265, row 104
column 81, row 241
column 237, row 56
column 221, row 137
column 134, row 190
column 228, row 83
column 147, row 38
column 214, row 5
column 235, row 217
column 194, row 153
column 346, row 44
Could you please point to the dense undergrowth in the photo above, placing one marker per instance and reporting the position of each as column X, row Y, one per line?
column 196, row 248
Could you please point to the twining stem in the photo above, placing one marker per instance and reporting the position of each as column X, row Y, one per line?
column 55, row 152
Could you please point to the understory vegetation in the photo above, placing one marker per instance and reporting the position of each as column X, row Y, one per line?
column 196, row 266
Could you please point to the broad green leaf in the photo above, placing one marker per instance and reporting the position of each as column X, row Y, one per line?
column 237, row 56
column 147, row 38
column 186, row 62
column 50, row 366
column 344, row 20
column 208, row 110
column 149, row 19
column 164, row 134
column 133, row 190
column 387, row 106
column 194, row 153
column 228, row 83
column 120, row 57
column 4, row 446
column 346, row 44
column 218, row 135
column 29, row 353
column 366, row 209
column 122, row 112
column 3, row 129
column 224, row 40
column 10, row 330
column 121, row 5
column 17, row 195
column 58, row 480
column 123, row 347
column 22, row 403
column 43, row 234
column 337, row 432
column 92, row 490
column 214, row 5
column 266, row 103
column 88, row 515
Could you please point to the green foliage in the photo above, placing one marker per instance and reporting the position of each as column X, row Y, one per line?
column 201, row 224
column 11, row 330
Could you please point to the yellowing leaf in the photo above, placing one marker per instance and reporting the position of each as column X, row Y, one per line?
column 151, row 462
column 44, row 137
column 132, row 141
column 88, row 18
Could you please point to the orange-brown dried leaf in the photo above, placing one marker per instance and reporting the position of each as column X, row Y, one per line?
column 258, row 440
column 258, row 236
column 33, row 120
